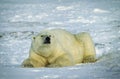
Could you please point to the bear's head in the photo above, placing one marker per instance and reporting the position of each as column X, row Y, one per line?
column 43, row 44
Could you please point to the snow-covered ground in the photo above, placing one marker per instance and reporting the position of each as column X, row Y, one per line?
column 22, row 19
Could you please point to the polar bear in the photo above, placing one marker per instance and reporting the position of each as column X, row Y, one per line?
column 59, row 48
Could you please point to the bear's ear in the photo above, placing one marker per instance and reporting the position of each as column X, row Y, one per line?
column 33, row 37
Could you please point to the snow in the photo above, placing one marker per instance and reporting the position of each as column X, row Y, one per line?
column 96, row 10
column 64, row 7
column 20, row 21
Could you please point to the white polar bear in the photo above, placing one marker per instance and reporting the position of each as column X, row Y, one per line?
column 59, row 48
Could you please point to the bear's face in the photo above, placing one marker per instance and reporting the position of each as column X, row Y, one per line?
column 43, row 39
column 43, row 44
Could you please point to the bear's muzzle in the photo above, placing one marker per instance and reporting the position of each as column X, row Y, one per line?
column 47, row 40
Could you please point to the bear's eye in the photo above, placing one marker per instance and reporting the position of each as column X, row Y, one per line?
column 33, row 37
column 42, row 35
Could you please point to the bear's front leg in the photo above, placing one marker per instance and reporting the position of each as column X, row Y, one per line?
column 27, row 63
column 88, row 59
column 62, row 61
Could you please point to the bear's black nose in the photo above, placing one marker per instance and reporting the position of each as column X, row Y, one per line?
column 47, row 40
